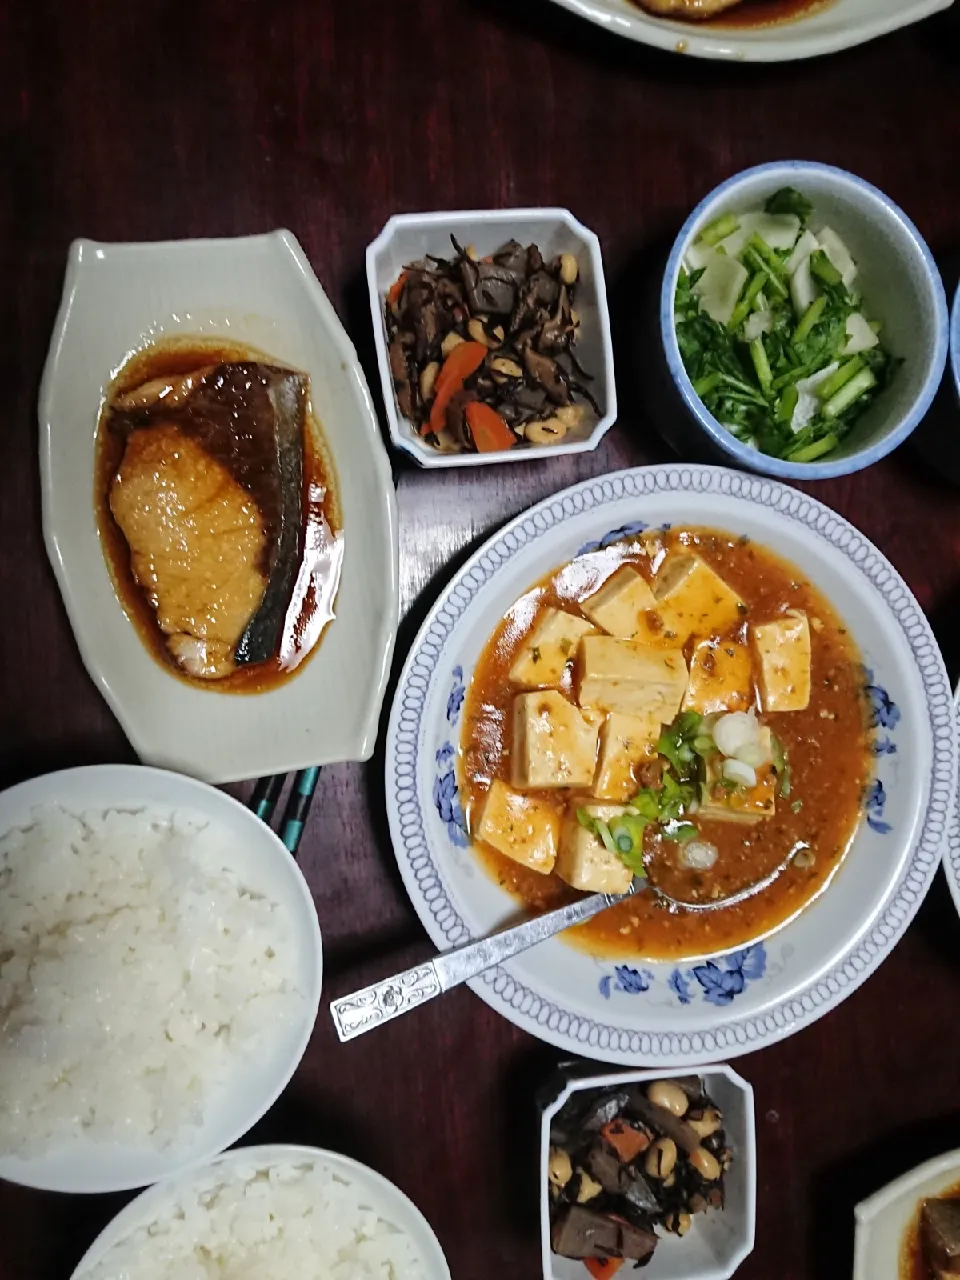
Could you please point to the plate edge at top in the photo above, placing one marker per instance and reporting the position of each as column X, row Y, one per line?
column 670, row 36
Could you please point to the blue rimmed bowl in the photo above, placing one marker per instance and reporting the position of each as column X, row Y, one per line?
column 901, row 286
column 955, row 342
column 702, row 1008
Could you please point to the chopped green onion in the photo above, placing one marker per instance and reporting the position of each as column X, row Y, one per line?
column 585, row 820
column 645, row 804
column 603, row 831
column 683, row 833
column 779, row 757
column 810, row 452
column 823, row 268
column 719, row 229
column 839, row 378
column 785, row 782
column 864, row 381
column 704, row 746
column 758, row 355
column 809, row 319
column 797, row 806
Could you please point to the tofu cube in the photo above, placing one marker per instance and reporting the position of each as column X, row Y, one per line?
column 548, row 648
column 633, row 679
column 618, row 606
column 520, row 827
column 625, row 743
column 740, row 805
column 691, row 600
column 554, row 743
column 783, row 649
column 584, row 861
column 721, row 678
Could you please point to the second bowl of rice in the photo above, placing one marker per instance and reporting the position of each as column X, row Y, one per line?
column 269, row 1211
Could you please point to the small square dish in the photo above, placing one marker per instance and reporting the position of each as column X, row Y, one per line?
column 592, row 1117
column 509, row 332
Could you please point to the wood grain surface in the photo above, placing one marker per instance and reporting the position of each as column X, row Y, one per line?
column 149, row 120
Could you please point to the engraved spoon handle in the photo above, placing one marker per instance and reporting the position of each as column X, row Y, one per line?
column 374, row 1005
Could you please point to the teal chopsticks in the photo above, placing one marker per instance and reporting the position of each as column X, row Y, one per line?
column 266, row 794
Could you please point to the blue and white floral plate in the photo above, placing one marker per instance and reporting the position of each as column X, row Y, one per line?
column 715, row 1007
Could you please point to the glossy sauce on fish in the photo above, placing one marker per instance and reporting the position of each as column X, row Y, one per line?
column 318, row 572
column 766, row 13
column 826, row 746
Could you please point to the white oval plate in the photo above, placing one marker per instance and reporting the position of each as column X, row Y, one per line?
column 838, row 26
column 264, row 863
column 385, row 1198
column 690, row 1013
column 882, row 1221
column 258, row 290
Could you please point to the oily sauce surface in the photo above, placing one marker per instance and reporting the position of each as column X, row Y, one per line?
column 913, row 1264
column 319, row 577
column 826, row 746
column 766, row 13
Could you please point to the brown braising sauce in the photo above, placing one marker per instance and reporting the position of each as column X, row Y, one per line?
column 826, row 746
column 913, row 1264
column 323, row 543
column 766, row 13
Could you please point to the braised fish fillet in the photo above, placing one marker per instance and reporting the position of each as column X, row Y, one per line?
column 196, row 540
column 692, row 9
column 209, row 496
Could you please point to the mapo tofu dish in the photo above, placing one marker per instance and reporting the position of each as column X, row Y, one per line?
column 683, row 706
column 628, row 1163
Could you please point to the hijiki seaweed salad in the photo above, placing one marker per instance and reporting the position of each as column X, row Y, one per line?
column 482, row 349
column 778, row 342
column 626, row 1163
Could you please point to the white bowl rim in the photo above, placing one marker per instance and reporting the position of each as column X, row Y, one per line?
column 203, row 792
column 433, row 460
column 610, row 1079
column 731, row 44
column 373, row 691
column 526, row 1008
column 951, row 854
column 955, row 340
column 262, row 1156
column 750, row 459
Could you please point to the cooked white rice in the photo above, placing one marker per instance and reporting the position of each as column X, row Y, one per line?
column 137, row 973
column 290, row 1222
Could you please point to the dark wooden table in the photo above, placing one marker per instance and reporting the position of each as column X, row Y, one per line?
column 147, row 120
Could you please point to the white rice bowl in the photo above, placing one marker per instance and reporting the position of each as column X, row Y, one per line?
column 159, row 976
column 269, row 1213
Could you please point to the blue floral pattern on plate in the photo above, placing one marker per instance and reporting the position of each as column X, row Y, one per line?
column 718, row 982
column 446, row 793
column 446, row 797
column 458, row 691
column 882, row 713
column 614, row 535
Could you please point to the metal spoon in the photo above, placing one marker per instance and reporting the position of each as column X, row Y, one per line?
column 383, row 1001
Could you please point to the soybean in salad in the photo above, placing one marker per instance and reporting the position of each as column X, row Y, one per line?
column 773, row 332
